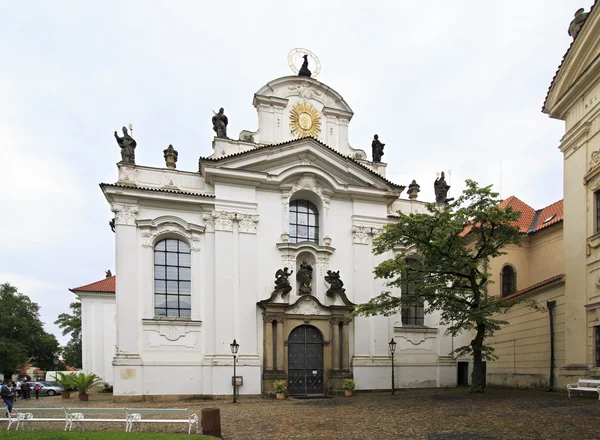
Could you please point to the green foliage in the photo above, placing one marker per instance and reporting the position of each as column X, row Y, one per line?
column 280, row 386
column 71, row 325
column 349, row 384
column 451, row 274
column 22, row 336
column 83, row 382
column 65, row 380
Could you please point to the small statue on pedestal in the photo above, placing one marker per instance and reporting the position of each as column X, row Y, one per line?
column 170, row 155
column 127, row 144
column 377, row 149
column 441, row 190
column 220, row 122
column 304, row 277
column 336, row 285
column 578, row 22
column 282, row 283
column 304, row 69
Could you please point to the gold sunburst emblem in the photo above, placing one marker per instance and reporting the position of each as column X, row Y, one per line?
column 305, row 120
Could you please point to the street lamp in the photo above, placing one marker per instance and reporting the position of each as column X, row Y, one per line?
column 392, row 351
column 234, row 350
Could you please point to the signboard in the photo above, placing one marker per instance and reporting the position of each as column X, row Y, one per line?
column 237, row 381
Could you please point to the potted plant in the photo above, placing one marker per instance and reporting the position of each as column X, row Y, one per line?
column 83, row 382
column 65, row 381
column 280, row 389
column 349, row 386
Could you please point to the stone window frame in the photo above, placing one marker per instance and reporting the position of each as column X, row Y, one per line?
column 312, row 213
column 513, row 287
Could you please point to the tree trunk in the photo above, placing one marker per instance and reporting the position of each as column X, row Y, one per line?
column 478, row 375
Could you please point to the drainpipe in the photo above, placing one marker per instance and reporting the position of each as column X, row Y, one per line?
column 551, row 305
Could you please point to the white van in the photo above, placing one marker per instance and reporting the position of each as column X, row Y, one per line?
column 51, row 376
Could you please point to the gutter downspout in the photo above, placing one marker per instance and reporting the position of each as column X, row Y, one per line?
column 551, row 305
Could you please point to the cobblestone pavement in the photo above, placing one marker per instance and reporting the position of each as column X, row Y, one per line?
column 428, row 414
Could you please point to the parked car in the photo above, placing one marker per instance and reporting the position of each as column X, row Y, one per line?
column 48, row 388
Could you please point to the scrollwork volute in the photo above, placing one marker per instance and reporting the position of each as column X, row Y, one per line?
column 125, row 214
column 594, row 161
column 361, row 234
column 223, row 220
column 247, row 223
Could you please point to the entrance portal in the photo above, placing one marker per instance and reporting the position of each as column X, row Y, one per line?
column 305, row 360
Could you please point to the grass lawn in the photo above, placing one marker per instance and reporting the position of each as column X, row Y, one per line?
column 88, row 435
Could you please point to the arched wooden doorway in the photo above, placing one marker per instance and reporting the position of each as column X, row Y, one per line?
column 305, row 360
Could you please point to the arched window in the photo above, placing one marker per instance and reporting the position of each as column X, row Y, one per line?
column 172, row 278
column 509, row 280
column 304, row 221
column 415, row 314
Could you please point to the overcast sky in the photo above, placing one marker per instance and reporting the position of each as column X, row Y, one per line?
column 447, row 85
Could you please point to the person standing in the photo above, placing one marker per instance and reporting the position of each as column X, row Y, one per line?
column 7, row 392
column 17, row 389
column 25, row 390
column 37, row 389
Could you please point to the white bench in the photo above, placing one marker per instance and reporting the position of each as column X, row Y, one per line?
column 138, row 415
column 22, row 416
column 585, row 385
column 80, row 416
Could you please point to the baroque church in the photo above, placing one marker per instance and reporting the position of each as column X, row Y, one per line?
column 268, row 243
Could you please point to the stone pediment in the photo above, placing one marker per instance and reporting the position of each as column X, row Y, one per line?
column 277, row 164
column 581, row 60
column 307, row 305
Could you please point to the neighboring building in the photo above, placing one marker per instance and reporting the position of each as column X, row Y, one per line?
column 98, row 331
column 197, row 254
column 574, row 97
column 532, row 272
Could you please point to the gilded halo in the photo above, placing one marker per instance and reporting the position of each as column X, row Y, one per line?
column 305, row 120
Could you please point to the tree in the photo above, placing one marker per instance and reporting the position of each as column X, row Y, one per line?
column 453, row 246
column 22, row 335
column 45, row 351
column 71, row 324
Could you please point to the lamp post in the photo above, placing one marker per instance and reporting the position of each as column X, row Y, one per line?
column 234, row 350
column 392, row 351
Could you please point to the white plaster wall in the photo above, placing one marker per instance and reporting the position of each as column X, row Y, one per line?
column 98, row 312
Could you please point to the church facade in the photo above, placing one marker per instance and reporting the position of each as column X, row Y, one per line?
column 269, row 243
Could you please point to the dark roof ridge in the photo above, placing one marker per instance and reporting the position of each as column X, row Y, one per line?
column 534, row 222
column 216, row 159
column 144, row 188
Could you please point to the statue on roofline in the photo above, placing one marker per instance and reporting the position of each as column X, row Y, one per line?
column 441, row 190
column 304, row 69
column 377, row 149
column 127, row 144
column 220, row 121
column 578, row 22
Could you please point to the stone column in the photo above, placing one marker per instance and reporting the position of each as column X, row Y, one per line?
column 346, row 345
column 335, row 346
column 280, row 345
column 268, row 345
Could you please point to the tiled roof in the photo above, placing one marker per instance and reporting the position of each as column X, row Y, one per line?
column 108, row 285
column 531, row 221
column 564, row 58
column 527, row 212
column 261, row 147
column 536, row 285
column 171, row 191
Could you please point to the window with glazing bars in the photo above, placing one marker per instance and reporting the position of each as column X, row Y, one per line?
column 597, row 328
column 415, row 314
column 597, row 194
column 509, row 280
column 172, row 279
column 304, row 221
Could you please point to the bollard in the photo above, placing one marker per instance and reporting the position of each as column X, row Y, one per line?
column 211, row 422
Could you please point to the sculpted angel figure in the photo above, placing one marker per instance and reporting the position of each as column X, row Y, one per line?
column 281, row 277
column 304, row 277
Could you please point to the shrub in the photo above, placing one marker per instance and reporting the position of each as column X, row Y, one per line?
column 280, row 387
column 349, row 384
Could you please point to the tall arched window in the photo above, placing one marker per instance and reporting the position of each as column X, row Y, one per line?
column 304, row 221
column 509, row 280
column 415, row 314
column 172, row 278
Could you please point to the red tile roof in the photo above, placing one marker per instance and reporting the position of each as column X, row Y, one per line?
column 549, row 216
column 536, row 285
column 527, row 212
column 108, row 285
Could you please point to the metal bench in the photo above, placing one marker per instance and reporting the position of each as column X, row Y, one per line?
column 138, row 415
column 592, row 385
column 22, row 416
column 79, row 416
